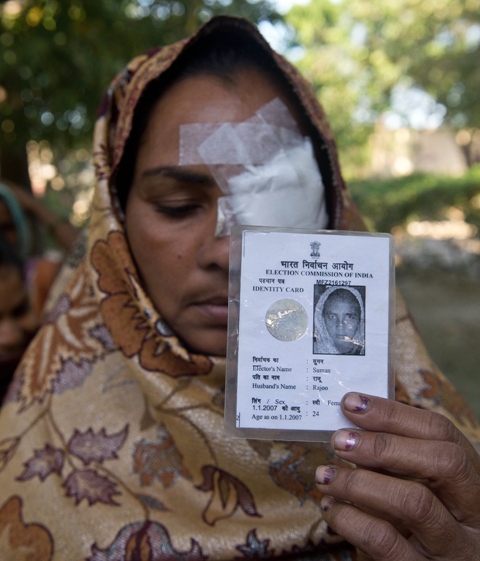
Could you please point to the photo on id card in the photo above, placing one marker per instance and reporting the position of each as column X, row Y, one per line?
column 311, row 315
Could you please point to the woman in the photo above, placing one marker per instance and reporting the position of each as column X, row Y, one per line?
column 340, row 322
column 112, row 432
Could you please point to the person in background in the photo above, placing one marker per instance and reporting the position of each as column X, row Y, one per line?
column 112, row 433
column 18, row 209
column 18, row 319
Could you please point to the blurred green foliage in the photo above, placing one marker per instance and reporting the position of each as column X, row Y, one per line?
column 359, row 52
column 387, row 203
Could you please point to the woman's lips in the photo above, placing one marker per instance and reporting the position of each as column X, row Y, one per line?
column 216, row 309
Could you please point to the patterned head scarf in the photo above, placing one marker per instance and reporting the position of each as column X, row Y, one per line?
column 112, row 444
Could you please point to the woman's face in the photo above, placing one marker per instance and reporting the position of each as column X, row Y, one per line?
column 342, row 317
column 171, row 211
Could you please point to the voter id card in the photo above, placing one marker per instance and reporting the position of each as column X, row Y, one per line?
column 311, row 316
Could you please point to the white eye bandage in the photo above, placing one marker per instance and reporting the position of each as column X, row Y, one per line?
column 265, row 167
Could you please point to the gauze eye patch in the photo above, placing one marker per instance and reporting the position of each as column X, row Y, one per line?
column 264, row 166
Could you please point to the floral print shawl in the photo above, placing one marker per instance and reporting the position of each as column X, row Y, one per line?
column 112, row 445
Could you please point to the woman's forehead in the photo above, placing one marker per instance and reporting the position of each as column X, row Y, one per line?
column 209, row 99
column 343, row 297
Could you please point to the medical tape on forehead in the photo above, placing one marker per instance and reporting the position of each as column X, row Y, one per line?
column 264, row 166
column 251, row 142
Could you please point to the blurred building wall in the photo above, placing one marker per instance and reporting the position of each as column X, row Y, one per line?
column 405, row 151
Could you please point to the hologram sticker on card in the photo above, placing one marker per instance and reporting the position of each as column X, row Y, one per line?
column 311, row 317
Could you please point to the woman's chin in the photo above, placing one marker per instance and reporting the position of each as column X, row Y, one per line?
column 209, row 341
column 344, row 347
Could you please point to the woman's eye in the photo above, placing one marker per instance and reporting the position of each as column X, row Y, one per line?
column 180, row 211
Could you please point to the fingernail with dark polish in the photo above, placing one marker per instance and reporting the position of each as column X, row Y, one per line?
column 325, row 474
column 345, row 440
column 356, row 403
column 327, row 502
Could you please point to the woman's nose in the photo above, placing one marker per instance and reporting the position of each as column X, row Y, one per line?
column 215, row 253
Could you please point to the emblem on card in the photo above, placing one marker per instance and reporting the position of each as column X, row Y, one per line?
column 315, row 249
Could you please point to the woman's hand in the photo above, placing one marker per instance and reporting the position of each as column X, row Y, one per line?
column 416, row 492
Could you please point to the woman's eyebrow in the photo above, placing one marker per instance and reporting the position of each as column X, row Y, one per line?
column 180, row 174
